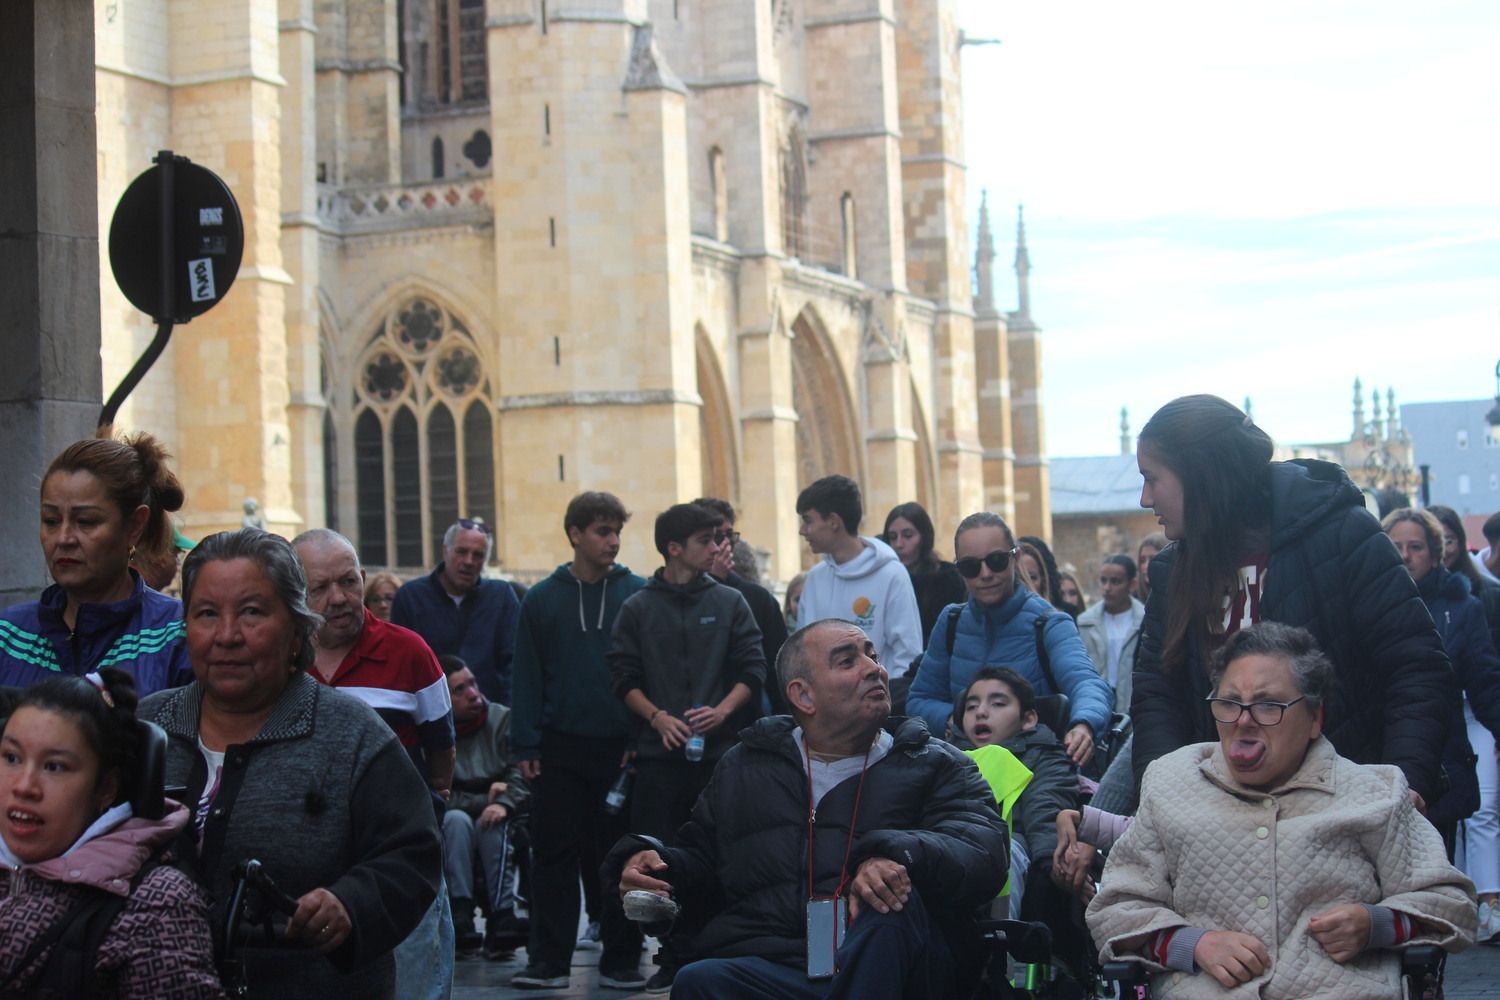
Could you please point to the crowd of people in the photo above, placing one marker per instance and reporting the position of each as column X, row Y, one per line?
column 1249, row 752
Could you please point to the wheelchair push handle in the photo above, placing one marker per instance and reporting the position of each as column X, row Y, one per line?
column 253, row 874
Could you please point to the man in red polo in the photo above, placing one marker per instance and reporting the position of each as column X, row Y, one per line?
column 392, row 670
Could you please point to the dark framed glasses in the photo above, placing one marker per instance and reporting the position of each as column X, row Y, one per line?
column 1227, row 711
column 998, row 561
column 720, row 537
column 474, row 524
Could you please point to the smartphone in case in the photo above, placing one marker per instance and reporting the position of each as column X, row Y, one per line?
column 827, row 923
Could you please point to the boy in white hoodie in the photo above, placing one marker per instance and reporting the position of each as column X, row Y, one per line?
column 859, row 579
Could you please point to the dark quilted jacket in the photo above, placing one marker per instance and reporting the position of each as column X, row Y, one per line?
column 924, row 806
column 1332, row 571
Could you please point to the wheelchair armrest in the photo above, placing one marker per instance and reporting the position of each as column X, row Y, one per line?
column 1420, row 957
column 1127, row 973
column 1119, row 725
column 1026, row 941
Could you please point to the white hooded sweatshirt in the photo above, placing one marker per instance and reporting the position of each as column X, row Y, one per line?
column 872, row 590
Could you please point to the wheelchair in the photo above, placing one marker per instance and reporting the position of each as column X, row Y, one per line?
column 1421, row 974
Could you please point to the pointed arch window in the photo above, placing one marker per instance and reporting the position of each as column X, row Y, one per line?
column 423, row 435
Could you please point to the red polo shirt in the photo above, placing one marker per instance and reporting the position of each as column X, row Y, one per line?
column 394, row 672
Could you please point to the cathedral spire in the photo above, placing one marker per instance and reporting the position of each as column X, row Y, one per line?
column 1359, row 409
column 1126, row 442
column 984, row 260
column 1023, row 266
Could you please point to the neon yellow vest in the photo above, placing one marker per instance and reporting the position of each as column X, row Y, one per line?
column 1007, row 778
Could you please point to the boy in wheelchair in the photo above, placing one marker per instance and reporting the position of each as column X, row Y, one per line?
column 1266, row 865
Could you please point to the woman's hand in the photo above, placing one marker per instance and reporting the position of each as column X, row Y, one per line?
column 673, row 731
column 320, row 922
column 1343, row 930
column 1067, row 836
column 1231, row 957
column 1079, row 742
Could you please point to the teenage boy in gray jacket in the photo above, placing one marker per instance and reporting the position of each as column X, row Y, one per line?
column 687, row 659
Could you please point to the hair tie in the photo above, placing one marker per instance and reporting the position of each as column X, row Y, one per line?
column 98, row 682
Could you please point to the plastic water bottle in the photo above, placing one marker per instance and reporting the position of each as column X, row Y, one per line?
column 614, row 799
column 694, row 748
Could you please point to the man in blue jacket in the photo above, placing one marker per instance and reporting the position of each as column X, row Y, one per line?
column 462, row 614
column 569, row 733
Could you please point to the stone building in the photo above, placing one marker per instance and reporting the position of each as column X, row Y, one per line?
column 499, row 251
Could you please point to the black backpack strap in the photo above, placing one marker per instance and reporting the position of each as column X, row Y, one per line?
column 954, row 613
column 1043, row 658
column 74, row 942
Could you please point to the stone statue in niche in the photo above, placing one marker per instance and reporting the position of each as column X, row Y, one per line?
column 253, row 517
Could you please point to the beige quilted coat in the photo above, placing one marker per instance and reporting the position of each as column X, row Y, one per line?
column 1207, row 852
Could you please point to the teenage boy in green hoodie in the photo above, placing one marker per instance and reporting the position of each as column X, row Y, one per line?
column 570, row 733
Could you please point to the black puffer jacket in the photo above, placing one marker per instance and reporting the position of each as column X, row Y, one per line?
column 924, row 805
column 1333, row 572
column 1053, row 788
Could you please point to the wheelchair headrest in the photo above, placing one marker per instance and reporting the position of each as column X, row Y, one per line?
column 1052, row 712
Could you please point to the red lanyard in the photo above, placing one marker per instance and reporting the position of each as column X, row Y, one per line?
column 853, row 820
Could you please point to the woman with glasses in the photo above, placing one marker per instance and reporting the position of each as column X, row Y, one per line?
column 1469, row 758
column 998, row 627
column 1255, row 540
column 1265, row 858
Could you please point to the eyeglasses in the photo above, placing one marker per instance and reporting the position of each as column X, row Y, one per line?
column 720, row 537
column 998, row 561
column 474, row 524
column 1227, row 711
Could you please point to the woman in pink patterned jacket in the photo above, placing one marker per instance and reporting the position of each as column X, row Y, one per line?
column 72, row 855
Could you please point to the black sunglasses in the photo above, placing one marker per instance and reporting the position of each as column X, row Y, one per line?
column 474, row 524
column 998, row 561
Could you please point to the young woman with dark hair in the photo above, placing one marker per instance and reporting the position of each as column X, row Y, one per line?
column 1458, row 559
column 69, row 840
column 908, row 530
column 1256, row 540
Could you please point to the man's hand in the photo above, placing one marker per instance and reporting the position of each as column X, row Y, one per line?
column 494, row 814
column 672, row 730
column 706, row 718
column 320, row 921
column 498, row 789
column 1231, row 957
column 1343, row 931
column 639, row 871
column 1067, row 836
column 1073, row 875
column 531, row 769
column 1079, row 742
column 879, row 883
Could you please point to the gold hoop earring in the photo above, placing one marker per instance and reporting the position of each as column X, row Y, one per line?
column 132, row 552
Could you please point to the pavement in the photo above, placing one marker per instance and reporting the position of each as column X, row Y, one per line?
column 1471, row 975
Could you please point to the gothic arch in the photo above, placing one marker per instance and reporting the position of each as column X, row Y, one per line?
column 716, row 437
column 419, row 434
column 828, row 438
column 926, row 459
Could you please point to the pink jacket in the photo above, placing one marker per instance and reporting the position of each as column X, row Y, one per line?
column 158, row 946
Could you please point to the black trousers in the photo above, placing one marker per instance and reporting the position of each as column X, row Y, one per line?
column 568, row 828
column 665, row 791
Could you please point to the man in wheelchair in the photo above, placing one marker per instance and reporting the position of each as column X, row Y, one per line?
column 1266, row 865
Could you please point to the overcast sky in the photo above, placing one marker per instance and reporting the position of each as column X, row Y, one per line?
column 1266, row 199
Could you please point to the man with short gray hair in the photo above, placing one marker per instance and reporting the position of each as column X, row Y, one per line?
column 462, row 614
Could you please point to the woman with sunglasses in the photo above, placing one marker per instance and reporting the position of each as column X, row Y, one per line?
column 1291, row 542
column 997, row 627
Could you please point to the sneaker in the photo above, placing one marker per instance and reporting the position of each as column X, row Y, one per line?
column 1489, row 923
column 622, row 979
column 590, row 937
column 540, row 977
column 660, row 983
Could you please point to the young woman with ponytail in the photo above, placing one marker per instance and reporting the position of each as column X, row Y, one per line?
column 1256, row 540
column 103, row 501
column 73, row 855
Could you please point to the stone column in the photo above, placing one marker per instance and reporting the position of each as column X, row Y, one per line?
column 49, row 263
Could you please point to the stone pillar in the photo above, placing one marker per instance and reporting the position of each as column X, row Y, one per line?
column 49, row 263
column 299, row 252
column 937, row 264
column 768, row 422
column 992, row 373
column 890, row 442
column 234, row 439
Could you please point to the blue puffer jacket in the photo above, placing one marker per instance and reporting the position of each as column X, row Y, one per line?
column 1460, row 620
column 142, row 635
column 1004, row 636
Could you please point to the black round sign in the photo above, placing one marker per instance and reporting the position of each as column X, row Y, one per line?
column 205, row 238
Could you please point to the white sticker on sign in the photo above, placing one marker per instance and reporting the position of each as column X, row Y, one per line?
column 201, row 279
column 211, row 216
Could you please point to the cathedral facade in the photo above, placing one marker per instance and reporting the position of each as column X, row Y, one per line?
column 501, row 251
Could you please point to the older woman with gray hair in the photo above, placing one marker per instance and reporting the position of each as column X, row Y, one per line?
column 1267, row 865
column 301, row 777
